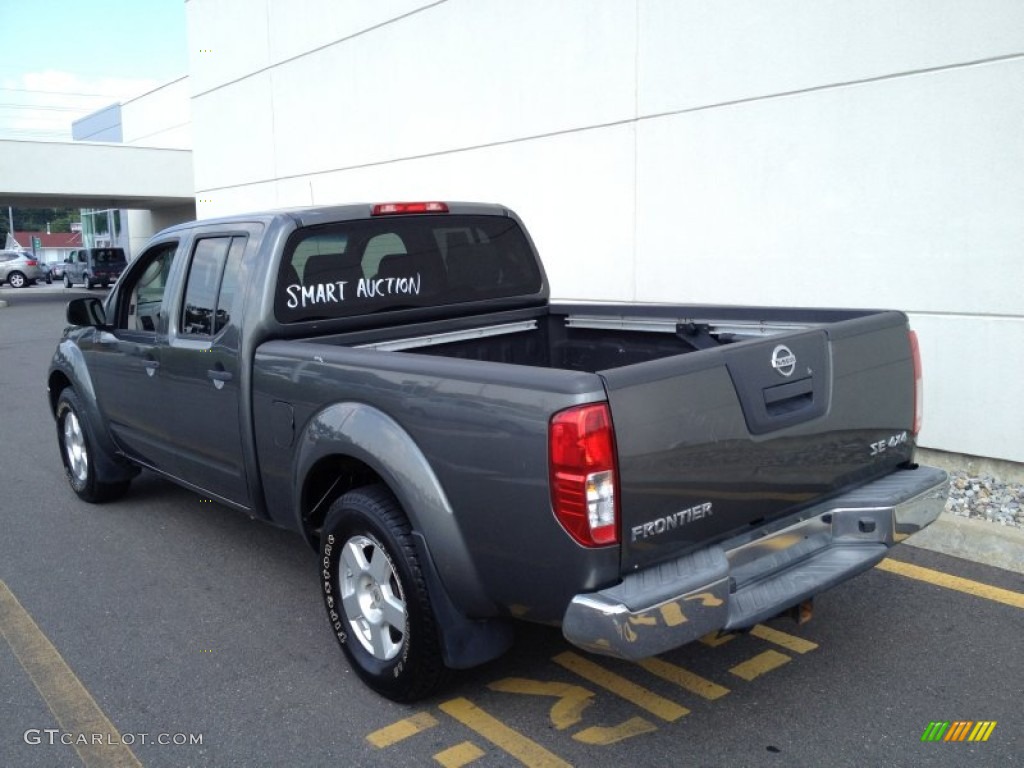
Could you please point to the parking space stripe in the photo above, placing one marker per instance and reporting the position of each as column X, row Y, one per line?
column 635, row 694
column 459, row 755
column 783, row 639
column 525, row 750
column 603, row 736
column 947, row 580
column 684, row 678
column 760, row 664
column 71, row 704
column 403, row 729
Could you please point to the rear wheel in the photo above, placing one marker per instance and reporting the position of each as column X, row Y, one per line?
column 376, row 597
column 16, row 280
column 67, row 280
column 77, row 450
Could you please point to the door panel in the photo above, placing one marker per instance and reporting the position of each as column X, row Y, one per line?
column 201, row 372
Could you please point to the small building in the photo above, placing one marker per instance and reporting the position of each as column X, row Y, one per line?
column 53, row 247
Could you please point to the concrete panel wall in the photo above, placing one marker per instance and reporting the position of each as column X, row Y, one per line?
column 800, row 153
column 160, row 118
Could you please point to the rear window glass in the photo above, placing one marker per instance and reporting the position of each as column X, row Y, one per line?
column 107, row 255
column 398, row 262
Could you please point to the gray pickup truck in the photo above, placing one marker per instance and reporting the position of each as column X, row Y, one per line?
column 392, row 382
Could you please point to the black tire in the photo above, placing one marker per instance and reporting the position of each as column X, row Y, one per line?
column 67, row 281
column 17, row 280
column 402, row 663
column 78, row 450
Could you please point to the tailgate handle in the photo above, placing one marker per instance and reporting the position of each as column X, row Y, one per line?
column 791, row 396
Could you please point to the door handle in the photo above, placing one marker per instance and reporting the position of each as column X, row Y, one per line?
column 218, row 377
column 150, row 366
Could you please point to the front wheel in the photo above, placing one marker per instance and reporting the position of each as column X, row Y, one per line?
column 376, row 596
column 77, row 450
column 67, row 281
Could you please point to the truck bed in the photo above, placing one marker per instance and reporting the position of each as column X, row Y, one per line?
column 712, row 439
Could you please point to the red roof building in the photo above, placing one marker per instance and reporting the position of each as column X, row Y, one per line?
column 47, row 240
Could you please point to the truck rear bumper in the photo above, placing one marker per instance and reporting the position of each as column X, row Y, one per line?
column 753, row 577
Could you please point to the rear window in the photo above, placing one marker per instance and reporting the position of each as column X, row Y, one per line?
column 108, row 255
column 398, row 262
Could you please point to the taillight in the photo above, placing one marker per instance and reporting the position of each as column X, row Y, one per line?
column 915, row 353
column 31, row 263
column 583, row 474
column 383, row 209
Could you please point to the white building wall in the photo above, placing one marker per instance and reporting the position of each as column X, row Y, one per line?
column 793, row 152
column 159, row 118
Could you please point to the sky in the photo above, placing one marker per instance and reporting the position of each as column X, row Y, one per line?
column 62, row 59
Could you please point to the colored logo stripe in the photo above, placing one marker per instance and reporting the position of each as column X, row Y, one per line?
column 935, row 731
column 982, row 731
column 958, row 730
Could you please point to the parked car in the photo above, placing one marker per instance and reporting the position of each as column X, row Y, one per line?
column 19, row 269
column 94, row 266
column 47, row 267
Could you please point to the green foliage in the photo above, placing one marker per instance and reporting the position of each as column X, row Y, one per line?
column 36, row 219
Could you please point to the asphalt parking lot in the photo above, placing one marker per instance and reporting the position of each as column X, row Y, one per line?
column 171, row 631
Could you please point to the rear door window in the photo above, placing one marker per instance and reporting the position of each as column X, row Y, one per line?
column 211, row 286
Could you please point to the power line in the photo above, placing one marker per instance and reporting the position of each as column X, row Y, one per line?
column 45, row 108
column 64, row 93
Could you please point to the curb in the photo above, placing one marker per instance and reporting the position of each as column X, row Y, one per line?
column 977, row 540
column 2, row 303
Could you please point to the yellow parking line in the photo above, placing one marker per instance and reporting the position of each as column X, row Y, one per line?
column 684, row 678
column 783, row 639
column 759, row 665
column 714, row 640
column 75, row 710
column 459, row 755
column 976, row 588
column 620, row 686
column 403, row 729
column 525, row 750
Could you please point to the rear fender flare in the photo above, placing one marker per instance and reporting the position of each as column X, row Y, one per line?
column 365, row 433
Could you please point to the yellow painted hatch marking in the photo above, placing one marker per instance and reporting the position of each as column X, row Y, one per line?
column 459, row 755
column 525, row 750
column 657, row 705
column 403, row 729
column 949, row 581
column 684, row 678
column 760, row 664
column 713, row 640
column 566, row 712
column 783, row 639
column 602, row 736
column 71, row 704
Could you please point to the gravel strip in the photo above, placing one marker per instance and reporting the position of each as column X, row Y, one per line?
column 986, row 498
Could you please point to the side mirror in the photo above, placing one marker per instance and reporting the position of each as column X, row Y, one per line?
column 86, row 311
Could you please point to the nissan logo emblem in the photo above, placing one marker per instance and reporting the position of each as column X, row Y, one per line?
column 783, row 360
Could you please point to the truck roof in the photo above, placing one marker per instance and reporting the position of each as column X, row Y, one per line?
column 306, row 216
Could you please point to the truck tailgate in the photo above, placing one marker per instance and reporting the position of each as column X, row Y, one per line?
column 713, row 443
